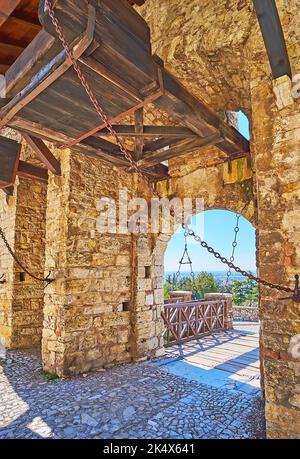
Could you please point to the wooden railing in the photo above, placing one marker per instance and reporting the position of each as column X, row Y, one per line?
column 186, row 321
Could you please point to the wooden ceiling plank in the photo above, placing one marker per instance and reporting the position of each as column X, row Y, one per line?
column 6, row 8
column 43, row 153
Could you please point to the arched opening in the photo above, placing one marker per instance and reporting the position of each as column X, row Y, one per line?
column 222, row 353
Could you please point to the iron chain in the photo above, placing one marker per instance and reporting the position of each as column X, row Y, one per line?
column 234, row 245
column 47, row 280
column 231, row 265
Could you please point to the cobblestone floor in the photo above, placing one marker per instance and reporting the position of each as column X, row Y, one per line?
column 139, row 400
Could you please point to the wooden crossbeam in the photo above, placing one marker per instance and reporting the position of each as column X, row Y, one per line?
column 9, row 191
column 149, row 131
column 43, row 153
column 6, row 8
column 193, row 113
column 29, row 171
column 181, row 148
column 159, row 144
column 157, row 172
column 104, row 147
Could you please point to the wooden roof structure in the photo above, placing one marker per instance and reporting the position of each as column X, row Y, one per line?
column 45, row 100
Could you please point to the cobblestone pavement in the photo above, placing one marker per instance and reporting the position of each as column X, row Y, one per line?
column 139, row 400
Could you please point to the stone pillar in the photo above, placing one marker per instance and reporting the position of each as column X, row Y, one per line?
column 100, row 308
column 147, row 340
column 22, row 217
column 276, row 135
column 87, row 308
column 228, row 309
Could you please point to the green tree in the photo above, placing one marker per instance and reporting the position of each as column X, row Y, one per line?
column 167, row 288
column 244, row 292
column 205, row 283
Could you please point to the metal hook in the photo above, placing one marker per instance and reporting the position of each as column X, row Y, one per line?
column 296, row 295
column 48, row 281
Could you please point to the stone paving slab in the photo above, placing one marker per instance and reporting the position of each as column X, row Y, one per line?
column 140, row 400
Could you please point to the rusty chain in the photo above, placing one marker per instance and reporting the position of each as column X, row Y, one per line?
column 47, row 279
column 234, row 246
column 231, row 265
column 134, row 166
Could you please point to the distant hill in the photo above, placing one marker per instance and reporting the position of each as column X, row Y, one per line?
column 220, row 276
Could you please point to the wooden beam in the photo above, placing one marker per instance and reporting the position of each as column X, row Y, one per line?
column 6, row 8
column 9, row 53
column 136, row 2
column 29, row 171
column 104, row 149
column 9, row 191
column 149, row 131
column 160, row 144
column 3, row 68
column 139, row 129
column 196, row 115
column 187, row 146
column 157, row 172
column 43, row 153
column 270, row 25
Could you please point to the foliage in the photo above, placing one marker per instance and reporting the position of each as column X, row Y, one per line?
column 204, row 283
column 167, row 288
column 244, row 292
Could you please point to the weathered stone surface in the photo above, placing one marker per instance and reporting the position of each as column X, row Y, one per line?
column 23, row 221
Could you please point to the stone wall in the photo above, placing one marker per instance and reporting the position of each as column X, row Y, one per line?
column 241, row 313
column 8, row 218
column 23, row 220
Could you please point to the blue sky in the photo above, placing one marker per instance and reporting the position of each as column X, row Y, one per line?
column 219, row 233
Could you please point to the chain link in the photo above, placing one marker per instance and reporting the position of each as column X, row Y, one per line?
column 24, row 269
column 234, row 246
column 189, row 262
column 231, row 265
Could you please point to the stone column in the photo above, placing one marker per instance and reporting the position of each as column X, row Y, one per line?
column 147, row 340
column 88, row 309
column 104, row 307
column 276, row 135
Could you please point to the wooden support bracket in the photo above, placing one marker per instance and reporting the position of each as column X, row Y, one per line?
column 43, row 153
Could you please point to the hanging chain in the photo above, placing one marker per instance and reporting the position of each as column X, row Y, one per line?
column 189, row 262
column 231, row 265
column 234, row 246
column 24, row 269
column 134, row 164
